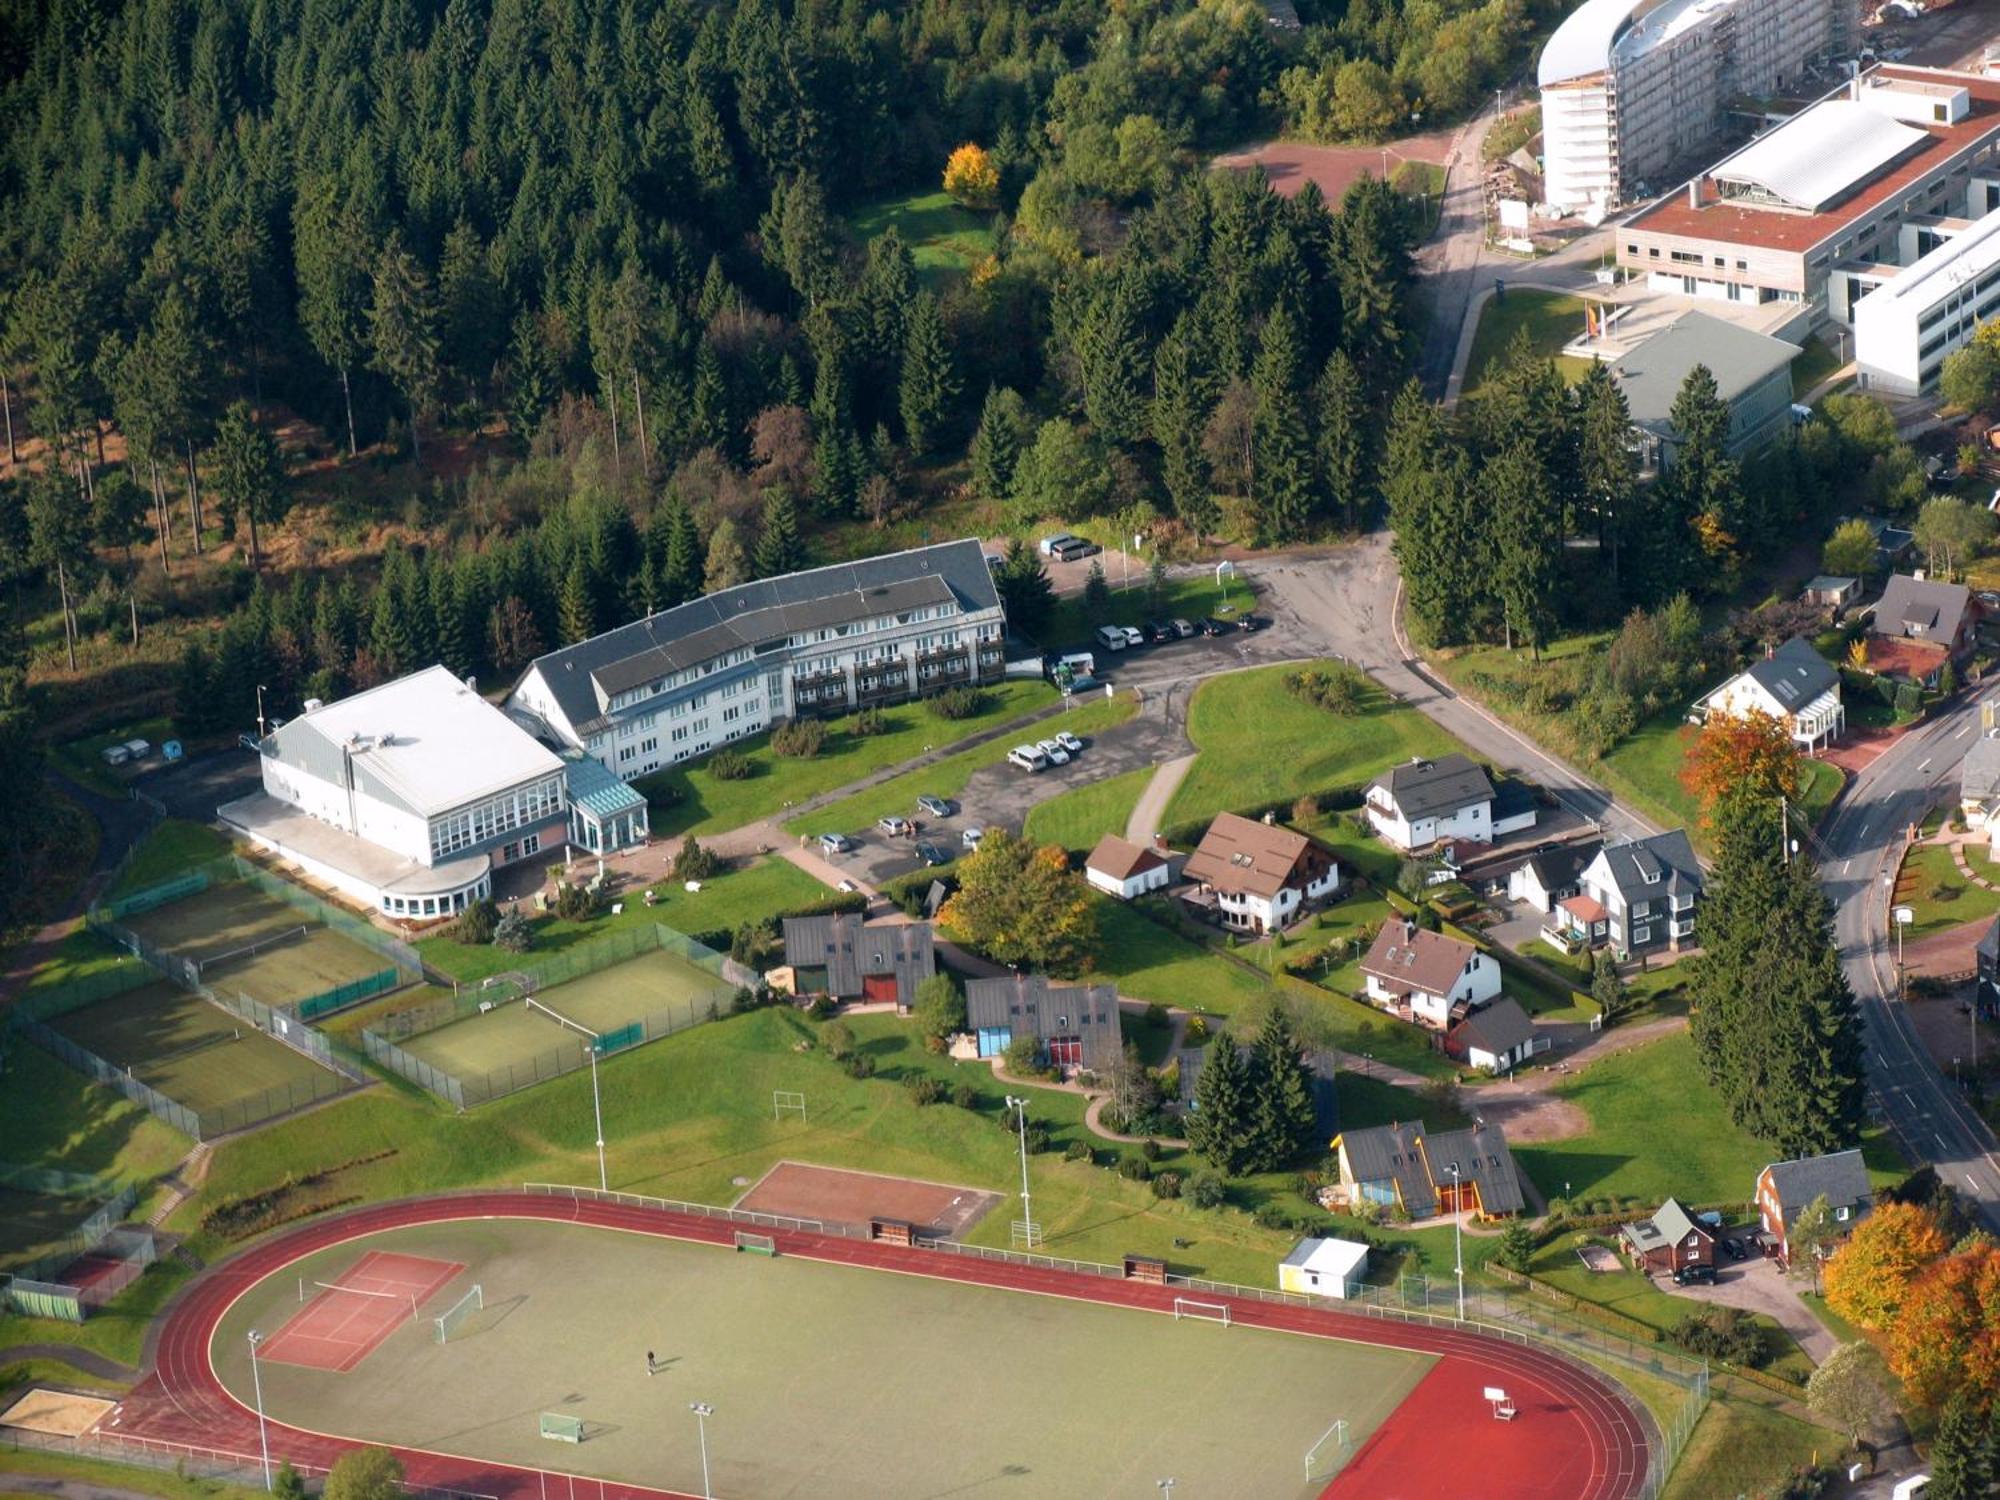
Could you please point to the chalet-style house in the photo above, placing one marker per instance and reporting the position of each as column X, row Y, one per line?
column 1785, row 1189
column 1427, row 977
column 1794, row 685
column 1637, row 898
column 1670, row 1239
column 1256, row 876
column 1497, row 1037
column 1919, row 624
column 1118, row 867
column 1421, row 1174
column 1425, row 802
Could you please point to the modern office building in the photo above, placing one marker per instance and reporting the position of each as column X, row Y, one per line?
column 1753, row 376
column 1631, row 87
column 680, row 682
column 1882, row 182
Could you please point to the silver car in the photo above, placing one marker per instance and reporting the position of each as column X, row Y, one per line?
column 1058, row 756
column 971, row 837
column 936, row 807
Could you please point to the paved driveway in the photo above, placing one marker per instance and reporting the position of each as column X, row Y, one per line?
column 1757, row 1285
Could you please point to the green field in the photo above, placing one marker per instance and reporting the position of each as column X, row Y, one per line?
column 172, row 847
column 34, row 1224
column 53, row 1116
column 691, row 799
column 945, row 239
column 1940, row 897
column 515, row 1044
column 1552, row 319
column 1149, row 961
column 753, row 1337
column 295, row 956
column 1079, row 818
column 1645, row 769
column 1739, row 1448
column 1260, row 745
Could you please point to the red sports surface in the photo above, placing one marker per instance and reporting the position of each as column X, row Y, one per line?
column 345, row 1322
column 1575, row 1438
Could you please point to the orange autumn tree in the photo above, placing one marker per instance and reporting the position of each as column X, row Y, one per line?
column 1021, row 905
column 1947, row 1336
column 971, row 177
column 1869, row 1276
column 1749, row 753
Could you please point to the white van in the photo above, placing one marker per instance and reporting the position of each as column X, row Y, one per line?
column 1076, row 663
column 1028, row 758
column 1112, row 637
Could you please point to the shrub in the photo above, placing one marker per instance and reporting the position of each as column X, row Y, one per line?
column 1150, row 1149
column 694, row 862
column 1196, row 1029
column 1274, row 1216
column 730, row 765
column 475, row 924
column 1305, row 809
column 925, row 1090
column 1724, row 1333
column 1338, row 689
column 1206, row 1190
column 960, row 702
column 965, row 1096
column 747, row 999
column 1517, row 1245
column 821, row 1006
column 1078, row 1151
column 861, row 1065
column 1023, row 1057
column 1156, row 1015
column 1167, row 1185
column 799, row 739
column 1038, row 1139
column 1135, row 1168
column 838, row 1039
column 512, row 934
column 868, row 723
column 575, row 902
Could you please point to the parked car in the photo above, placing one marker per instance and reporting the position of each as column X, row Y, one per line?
column 1695, row 1276
column 1250, row 623
column 1028, row 758
column 1088, row 684
column 894, row 826
column 1076, row 549
column 1075, row 663
column 1209, row 625
column 932, row 854
column 1133, row 637
column 835, row 843
column 1159, row 630
column 1053, row 749
column 936, row 807
column 1111, row 637
column 1183, row 628
column 1069, row 742
column 971, row 837
column 1049, row 543
column 1734, row 1250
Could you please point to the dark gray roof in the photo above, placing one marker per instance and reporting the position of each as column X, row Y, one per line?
column 1028, row 1004
column 1559, row 867
column 1669, row 1226
column 1921, row 608
column 1511, row 797
column 1416, row 1161
column 851, row 952
column 1426, row 788
column 1988, row 946
column 1795, row 674
column 1648, row 868
column 1652, row 374
column 1842, row 1178
column 1497, row 1028
column 754, row 613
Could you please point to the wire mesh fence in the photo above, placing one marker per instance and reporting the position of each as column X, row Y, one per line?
column 41, row 1299
column 165, row 893
column 171, row 1111
column 50, row 1000
column 352, row 993
column 349, row 926
column 87, row 1235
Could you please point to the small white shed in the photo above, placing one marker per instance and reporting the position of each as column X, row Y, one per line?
column 1324, row 1268
column 1121, row 868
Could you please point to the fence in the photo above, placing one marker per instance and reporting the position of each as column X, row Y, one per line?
column 42, row 1299
column 193, row 1460
column 179, row 888
column 343, row 995
column 54, row 1182
column 349, row 926
column 85, row 1237
column 172, row 1111
column 293, row 1032
column 45, row 1001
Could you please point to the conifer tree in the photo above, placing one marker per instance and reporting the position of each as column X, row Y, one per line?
column 576, row 613
column 996, row 446
column 1282, row 486
column 390, row 639
column 1180, row 411
column 1111, row 356
column 403, row 330
column 929, row 391
column 727, row 565
column 1526, row 545
column 681, row 568
column 1344, row 426
column 1284, row 1123
column 249, row 473
column 778, row 539
column 1025, row 591
column 1605, row 476
column 1965, row 1458
column 1223, row 1120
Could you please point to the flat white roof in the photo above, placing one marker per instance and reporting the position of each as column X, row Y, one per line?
column 1820, row 153
column 433, row 741
column 1329, row 1257
column 1584, row 43
column 1941, row 272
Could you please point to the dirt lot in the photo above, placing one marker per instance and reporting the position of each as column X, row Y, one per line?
column 1290, row 164
column 799, row 1191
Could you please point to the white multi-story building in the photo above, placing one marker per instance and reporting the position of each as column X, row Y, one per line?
column 681, row 682
column 1630, row 87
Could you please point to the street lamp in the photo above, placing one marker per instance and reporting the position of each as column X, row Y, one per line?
column 1165, row 1487
column 1020, row 1108
column 1904, row 916
column 1457, row 1249
column 260, row 710
column 257, row 1384
column 597, row 1108
column 702, row 1412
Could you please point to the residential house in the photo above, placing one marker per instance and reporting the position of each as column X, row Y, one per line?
column 1986, row 958
column 1121, row 868
column 1786, row 1188
column 1424, row 802
column 1421, row 1174
column 842, row 957
column 1918, row 626
column 1794, row 685
column 1832, row 593
column 1638, row 898
column 1670, row 1239
column 1543, row 879
column 1258, row 876
column 1979, row 788
column 1076, row 1024
column 1427, row 977
column 1324, row 1268
column 1496, row 1038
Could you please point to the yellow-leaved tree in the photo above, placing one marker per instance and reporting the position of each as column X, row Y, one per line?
column 1870, row 1275
column 971, row 177
column 1017, row 904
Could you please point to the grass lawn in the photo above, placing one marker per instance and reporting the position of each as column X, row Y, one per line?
column 1941, row 898
column 1260, row 745
column 1646, row 768
column 947, row 777
column 946, row 240
column 689, row 798
column 764, row 888
column 51, row 1116
column 1551, row 318
column 1078, row 819
column 175, row 845
column 83, row 758
column 93, row 1473
column 1366, row 1101
column 1814, row 363
column 1834, row 1323
column 1740, row 1448
column 1150, row 961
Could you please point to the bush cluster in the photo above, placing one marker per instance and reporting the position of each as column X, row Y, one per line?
column 730, row 765
column 961, row 702
column 1339, row 689
column 799, row 739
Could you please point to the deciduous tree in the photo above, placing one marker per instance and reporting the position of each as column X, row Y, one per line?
column 1868, row 1278
column 971, row 177
column 1845, row 1390
column 1018, row 904
column 1946, row 1335
column 1749, row 754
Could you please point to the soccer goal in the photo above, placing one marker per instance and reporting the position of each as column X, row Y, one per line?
column 1207, row 1312
column 1325, row 1458
column 454, row 1317
column 559, row 1428
column 787, row 1101
column 756, row 1244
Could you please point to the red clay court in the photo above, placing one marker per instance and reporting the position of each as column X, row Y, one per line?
column 347, row 1320
column 828, row 1195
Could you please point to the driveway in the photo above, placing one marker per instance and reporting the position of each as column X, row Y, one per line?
column 195, row 787
column 1757, row 1285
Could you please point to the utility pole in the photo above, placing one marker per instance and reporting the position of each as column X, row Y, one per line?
column 257, row 1383
column 702, row 1412
column 1020, row 1108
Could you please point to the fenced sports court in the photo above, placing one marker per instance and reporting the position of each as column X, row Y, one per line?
column 341, row 1322
column 629, row 987
column 69, row 1251
column 1040, row 1394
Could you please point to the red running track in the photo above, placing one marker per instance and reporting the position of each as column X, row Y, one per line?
column 1575, row 1439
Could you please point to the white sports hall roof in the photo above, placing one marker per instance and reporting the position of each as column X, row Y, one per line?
column 1583, row 44
column 1820, row 153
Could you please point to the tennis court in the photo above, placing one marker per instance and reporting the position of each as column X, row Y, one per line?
column 246, row 940
column 197, row 1054
column 513, row 1035
column 815, row 1372
column 341, row 1322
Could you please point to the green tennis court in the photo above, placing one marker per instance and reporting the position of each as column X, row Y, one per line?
column 513, row 1035
column 197, row 1054
column 249, row 941
column 825, row 1380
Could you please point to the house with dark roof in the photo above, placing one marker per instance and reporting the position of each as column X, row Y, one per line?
column 1405, row 1169
column 1544, row 878
column 1979, row 788
column 1794, row 685
column 1918, row 625
column 1637, row 897
column 1118, row 867
column 679, row 682
column 1258, row 876
column 1670, row 1239
column 1424, row 802
column 842, row 957
column 1427, row 977
column 1496, row 1037
column 1785, row 1189
column 1076, row 1024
